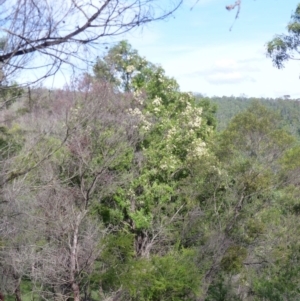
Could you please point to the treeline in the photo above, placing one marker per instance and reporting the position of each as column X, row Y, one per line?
column 121, row 188
column 228, row 107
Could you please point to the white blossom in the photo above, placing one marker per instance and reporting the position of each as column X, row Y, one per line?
column 197, row 149
column 172, row 131
column 130, row 69
column 156, row 101
column 195, row 123
column 138, row 96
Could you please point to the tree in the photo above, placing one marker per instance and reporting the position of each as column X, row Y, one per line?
column 55, row 240
column 58, row 31
column 285, row 47
column 122, row 66
column 235, row 197
column 174, row 134
column 174, row 129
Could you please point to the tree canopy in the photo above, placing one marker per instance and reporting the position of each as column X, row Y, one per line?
column 285, row 47
column 122, row 189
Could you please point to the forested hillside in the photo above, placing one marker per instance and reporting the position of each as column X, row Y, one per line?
column 228, row 107
column 122, row 189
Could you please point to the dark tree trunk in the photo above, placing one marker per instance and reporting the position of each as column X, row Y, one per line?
column 18, row 293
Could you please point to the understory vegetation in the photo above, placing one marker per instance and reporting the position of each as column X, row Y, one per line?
column 125, row 188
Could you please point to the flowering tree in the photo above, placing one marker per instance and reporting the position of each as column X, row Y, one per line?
column 173, row 133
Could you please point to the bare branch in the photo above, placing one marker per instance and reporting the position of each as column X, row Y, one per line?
column 233, row 6
column 59, row 29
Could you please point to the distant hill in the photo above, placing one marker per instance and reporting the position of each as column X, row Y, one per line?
column 228, row 107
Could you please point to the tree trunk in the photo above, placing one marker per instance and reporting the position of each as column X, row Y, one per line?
column 73, row 259
column 141, row 243
column 18, row 293
column 223, row 245
column 76, row 291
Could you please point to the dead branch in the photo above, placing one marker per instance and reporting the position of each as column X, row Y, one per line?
column 46, row 34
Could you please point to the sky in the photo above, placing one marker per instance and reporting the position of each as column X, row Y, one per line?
column 199, row 50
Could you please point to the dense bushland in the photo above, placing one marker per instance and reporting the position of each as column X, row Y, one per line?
column 121, row 188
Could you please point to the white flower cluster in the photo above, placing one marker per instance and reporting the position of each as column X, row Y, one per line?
column 146, row 125
column 130, row 69
column 188, row 110
column 136, row 112
column 75, row 113
column 182, row 99
column 192, row 116
column 138, row 96
column 160, row 78
column 169, row 163
column 195, row 122
column 156, row 101
column 197, row 149
column 171, row 133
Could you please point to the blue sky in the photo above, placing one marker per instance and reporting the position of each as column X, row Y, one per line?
column 198, row 49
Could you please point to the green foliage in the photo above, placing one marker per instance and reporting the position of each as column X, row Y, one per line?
column 9, row 94
column 279, row 282
column 221, row 290
column 232, row 261
column 255, row 132
column 284, row 47
column 117, row 255
column 209, row 111
column 170, row 277
column 255, row 228
column 290, row 161
column 123, row 67
column 255, row 141
column 11, row 141
column 229, row 107
column 183, row 212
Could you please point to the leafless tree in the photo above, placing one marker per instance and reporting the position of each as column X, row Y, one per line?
column 49, row 234
column 46, row 34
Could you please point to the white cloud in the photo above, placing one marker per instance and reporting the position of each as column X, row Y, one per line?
column 229, row 71
column 233, row 68
column 229, row 65
column 228, row 78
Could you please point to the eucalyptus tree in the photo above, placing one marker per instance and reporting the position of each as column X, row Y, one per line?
column 285, row 47
column 239, row 197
